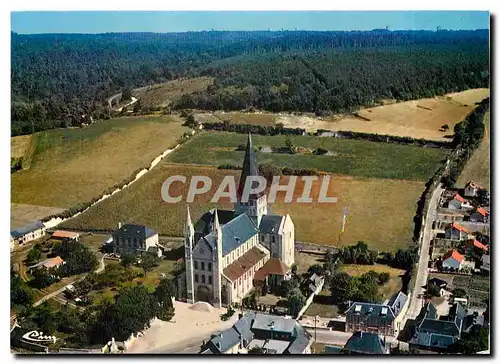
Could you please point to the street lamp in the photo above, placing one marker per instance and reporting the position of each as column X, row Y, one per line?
column 316, row 319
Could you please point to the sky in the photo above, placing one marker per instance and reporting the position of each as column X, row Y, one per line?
column 36, row 22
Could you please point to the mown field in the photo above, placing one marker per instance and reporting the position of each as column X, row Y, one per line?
column 478, row 167
column 72, row 166
column 380, row 211
column 350, row 157
column 163, row 94
column 22, row 214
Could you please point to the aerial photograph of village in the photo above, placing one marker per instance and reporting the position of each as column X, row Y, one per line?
column 250, row 183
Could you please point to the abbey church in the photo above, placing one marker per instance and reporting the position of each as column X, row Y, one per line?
column 228, row 252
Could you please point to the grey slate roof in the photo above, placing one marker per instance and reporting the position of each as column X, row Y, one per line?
column 457, row 314
column 280, row 324
column 301, row 342
column 36, row 225
column 370, row 309
column 432, row 340
column 243, row 326
column 397, row 302
column 269, row 224
column 365, row 343
column 204, row 225
column 137, row 231
column 234, row 233
column 225, row 340
column 439, row 327
column 438, row 282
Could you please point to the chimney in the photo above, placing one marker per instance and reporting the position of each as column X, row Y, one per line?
column 119, row 225
column 240, row 315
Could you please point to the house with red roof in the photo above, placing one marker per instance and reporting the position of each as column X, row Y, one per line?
column 480, row 215
column 458, row 203
column 475, row 243
column 453, row 260
column 455, row 231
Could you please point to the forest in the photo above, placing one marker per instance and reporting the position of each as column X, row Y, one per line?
column 57, row 78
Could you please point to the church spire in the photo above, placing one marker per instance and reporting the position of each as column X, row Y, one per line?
column 250, row 167
column 188, row 220
column 216, row 225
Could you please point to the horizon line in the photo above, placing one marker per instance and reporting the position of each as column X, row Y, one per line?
column 258, row 30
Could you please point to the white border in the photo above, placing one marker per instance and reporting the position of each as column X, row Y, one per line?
column 184, row 5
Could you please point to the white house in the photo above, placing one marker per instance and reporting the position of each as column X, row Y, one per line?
column 135, row 238
column 453, row 259
column 471, row 189
column 28, row 233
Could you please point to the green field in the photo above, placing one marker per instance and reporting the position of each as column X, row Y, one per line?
column 72, row 166
column 351, row 157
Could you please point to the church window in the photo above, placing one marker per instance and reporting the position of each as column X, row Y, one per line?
column 210, row 266
column 196, row 278
column 195, row 264
column 202, row 278
column 202, row 265
column 209, row 279
column 234, row 285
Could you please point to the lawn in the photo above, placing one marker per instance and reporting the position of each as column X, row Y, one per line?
column 350, row 157
column 478, row 167
column 72, row 166
column 316, row 223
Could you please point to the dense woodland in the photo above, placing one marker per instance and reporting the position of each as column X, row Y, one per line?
column 57, row 78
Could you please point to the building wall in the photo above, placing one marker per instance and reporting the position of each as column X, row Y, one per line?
column 151, row 242
column 360, row 323
column 33, row 235
column 288, row 242
column 454, row 205
column 470, row 192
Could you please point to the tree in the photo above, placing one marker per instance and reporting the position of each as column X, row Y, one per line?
column 126, row 94
column 34, row 254
column 294, row 269
column 383, row 278
column 340, row 286
column 164, row 293
column 42, row 278
column 286, row 287
column 290, row 146
column 316, row 269
column 459, row 293
column 128, row 259
column 20, row 293
column 483, row 197
column 295, row 301
column 473, row 342
column 445, row 127
column 148, row 261
column 191, row 121
column 433, row 290
column 256, row 350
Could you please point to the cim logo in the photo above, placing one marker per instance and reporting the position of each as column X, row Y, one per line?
column 38, row 337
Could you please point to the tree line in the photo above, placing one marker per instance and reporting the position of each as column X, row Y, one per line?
column 58, row 78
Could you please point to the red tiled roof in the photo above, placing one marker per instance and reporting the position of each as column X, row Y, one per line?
column 458, row 198
column 482, row 211
column 479, row 245
column 53, row 262
column 243, row 264
column 455, row 255
column 64, row 234
column 459, row 227
column 273, row 266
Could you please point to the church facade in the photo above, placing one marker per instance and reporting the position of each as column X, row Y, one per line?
column 225, row 249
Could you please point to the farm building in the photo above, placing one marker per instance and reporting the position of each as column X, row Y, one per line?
column 471, row 189
column 377, row 318
column 453, row 259
column 135, row 238
column 480, row 215
column 48, row 263
column 455, row 231
column 27, row 233
column 63, row 235
column 365, row 343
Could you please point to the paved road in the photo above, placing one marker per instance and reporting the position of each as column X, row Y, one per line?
column 423, row 262
column 190, row 346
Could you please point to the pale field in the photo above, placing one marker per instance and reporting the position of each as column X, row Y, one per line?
column 73, row 166
column 417, row 118
column 478, row 167
column 163, row 93
column 18, row 145
column 22, row 214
